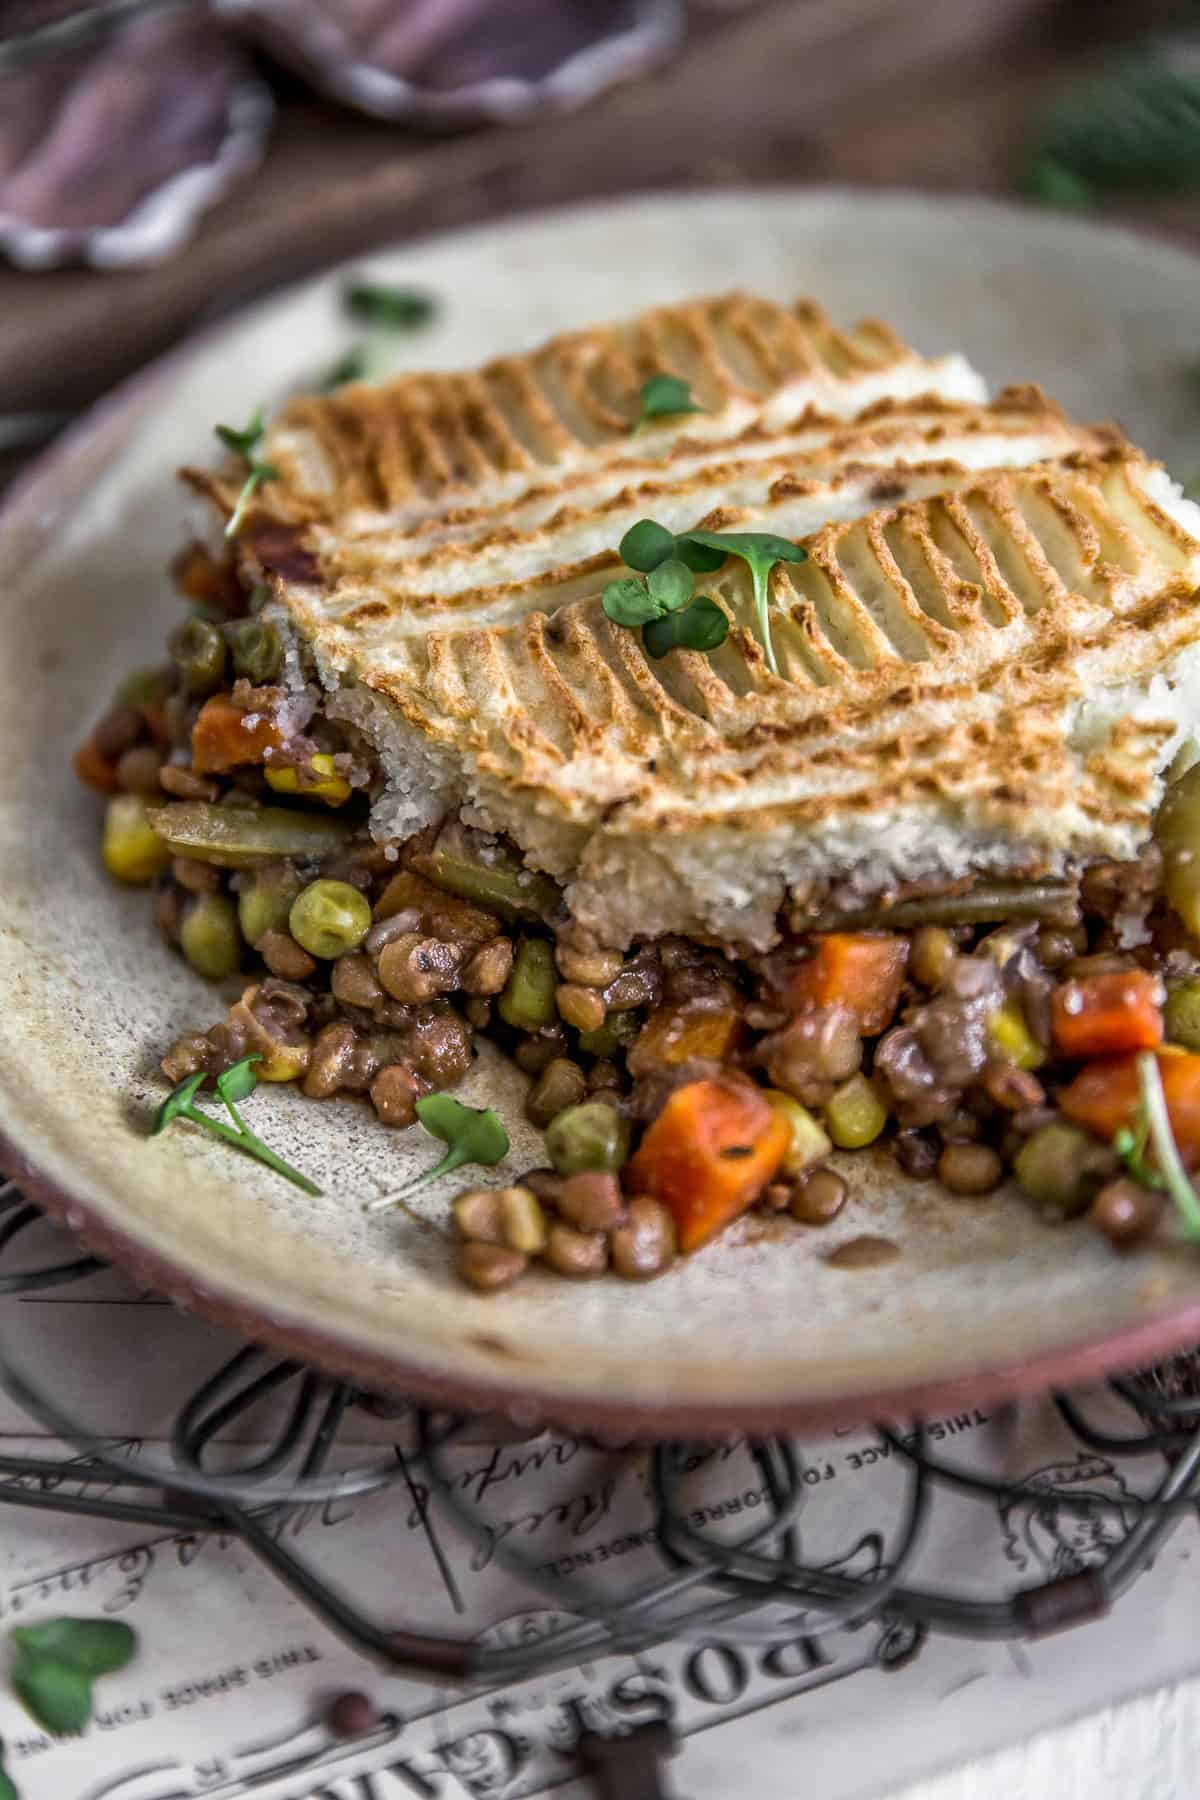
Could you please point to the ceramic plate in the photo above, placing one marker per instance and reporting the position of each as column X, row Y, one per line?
column 759, row 1331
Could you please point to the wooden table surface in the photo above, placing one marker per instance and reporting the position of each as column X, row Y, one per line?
column 923, row 93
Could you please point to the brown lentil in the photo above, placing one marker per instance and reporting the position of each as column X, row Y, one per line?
column 1056, row 948
column 582, row 1254
column 440, row 1049
column 476, row 1215
column 285, row 957
column 187, row 1056
column 643, row 1245
column 562, row 1083
column 137, row 770
column 413, row 968
column 636, row 985
column 522, row 1220
column 812, row 1054
column 818, row 1197
column 118, row 731
column 1011, row 1088
column 969, row 1169
column 580, row 1006
column 331, row 1061
column 353, row 981
column 168, row 912
column 917, row 1154
column 591, row 1200
column 547, row 1184
column 931, row 955
column 589, row 966
column 477, row 1010
column 606, row 1096
column 197, row 877
column 603, row 1074
column 489, row 968
column 1126, row 1212
column 490, row 1267
column 394, row 1094
column 185, row 784
column 352, row 1715
column 535, row 1053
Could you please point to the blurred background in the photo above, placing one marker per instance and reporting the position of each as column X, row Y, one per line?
column 163, row 162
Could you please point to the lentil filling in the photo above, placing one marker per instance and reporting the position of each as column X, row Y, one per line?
column 976, row 1035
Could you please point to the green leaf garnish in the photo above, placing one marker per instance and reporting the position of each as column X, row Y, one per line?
column 628, row 602
column 352, row 365
column 760, row 551
column 92, row 1646
column 245, row 444
column 474, row 1136
column 396, row 308
column 56, row 1695
column 646, row 544
column 8, row 1787
column 1173, row 1175
column 239, row 1082
column 670, row 585
column 182, row 1104
column 664, row 397
column 700, row 626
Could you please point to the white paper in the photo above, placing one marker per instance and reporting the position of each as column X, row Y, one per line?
column 228, row 1693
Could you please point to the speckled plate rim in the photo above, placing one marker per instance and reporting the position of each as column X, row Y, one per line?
column 1092, row 1355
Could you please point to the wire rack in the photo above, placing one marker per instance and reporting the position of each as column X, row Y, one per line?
column 757, row 1588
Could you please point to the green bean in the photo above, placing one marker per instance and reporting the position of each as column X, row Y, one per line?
column 503, row 887
column 235, row 837
column 257, row 651
column 330, row 918
column 1177, row 830
column 591, row 1136
column 266, row 900
column 1050, row 902
column 527, row 1002
column 1181, row 1015
column 209, row 936
column 199, row 653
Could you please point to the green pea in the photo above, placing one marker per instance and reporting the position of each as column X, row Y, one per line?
column 257, row 651
column 209, row 936
column 1060, row 1167
column 266, row 900
column 1181, row 1015
column 591, row 1136
column 199, row 652
column 527, row 1002
column 330, row 918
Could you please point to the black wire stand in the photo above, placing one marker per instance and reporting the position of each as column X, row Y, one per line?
column 757, row 1588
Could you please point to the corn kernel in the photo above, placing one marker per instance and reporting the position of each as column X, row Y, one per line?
column 332, row 788
column 1012, row 1039
column 809, row 1143
column 855, row 1115
column 132, row 849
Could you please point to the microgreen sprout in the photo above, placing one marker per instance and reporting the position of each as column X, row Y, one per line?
column 246, row 445
column 664, row 397
column 662, row 604
column 647, row 545
column 474, row 1136
column 237, row 1083
column 396, row 308
column 1157, row 1120
column 352, row 365
column 57, row 1662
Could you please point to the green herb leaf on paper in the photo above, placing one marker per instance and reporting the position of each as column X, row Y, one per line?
column 664, row 397
column 92, row 1646
column 52, row 1692
column 8, row 1787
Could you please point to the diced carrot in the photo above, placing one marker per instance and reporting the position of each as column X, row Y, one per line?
column 225, row 736
column 709, row 1154
column 1107, row 1015
column 199, row 575
column 863, row 970
column 94, row 769
column 1104, row 1097
column 442, row 915
column 679, row 1034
